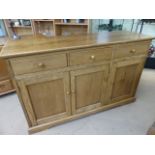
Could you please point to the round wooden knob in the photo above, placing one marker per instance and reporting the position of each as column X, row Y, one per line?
column 133, row 51
column 67, row 92
column 92, row 57
column 41, row 64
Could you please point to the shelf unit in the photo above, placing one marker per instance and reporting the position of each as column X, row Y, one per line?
column 71, row 26
column 20, row 29
column 43, row 27
column 50, row 27
column 43, row 20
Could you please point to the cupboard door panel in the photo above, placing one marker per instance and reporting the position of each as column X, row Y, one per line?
column 88, row 88
column 46, row 98
column 50, row 98
column 125, row 79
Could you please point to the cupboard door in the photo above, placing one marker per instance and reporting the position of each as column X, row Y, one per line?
column 46, row 96
column 88, row 88
column 126, row 75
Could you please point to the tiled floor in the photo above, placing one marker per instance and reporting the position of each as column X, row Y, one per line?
column 133, row 118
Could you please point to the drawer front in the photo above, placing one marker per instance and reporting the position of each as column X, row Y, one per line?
column 90, row 55
column 131, row 49
column 5, row 86
column 30, row 64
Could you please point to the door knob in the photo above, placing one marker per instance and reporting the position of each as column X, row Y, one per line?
column 92, row 57
column 41, row 64
column 133, row 51
column 68, row 93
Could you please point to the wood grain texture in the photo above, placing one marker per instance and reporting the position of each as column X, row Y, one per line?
column 90, row 55
column 84, row 74
column 131, row 49
column 38, row 63
column 50, row 124
column 47, row 97
column 5, row 86
column 40, row 44
column 87, row 88
column 4, row 74
column 5, row 81
column 3, row 68
column 125, row 78
column 27, row 102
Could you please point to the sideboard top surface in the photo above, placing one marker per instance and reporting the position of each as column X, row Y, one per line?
column 3, row 40
column 40, row 44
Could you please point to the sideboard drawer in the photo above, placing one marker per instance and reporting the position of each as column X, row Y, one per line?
column 131, row 49
column 5, row 86
column 90, row 55
column 30, row 64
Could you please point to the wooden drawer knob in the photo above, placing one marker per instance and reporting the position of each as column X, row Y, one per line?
column 41, row 65
column 68, row 93
column 92, row 57
column 133, row 51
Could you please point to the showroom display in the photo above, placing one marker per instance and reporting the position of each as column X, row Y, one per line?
column 69, row 77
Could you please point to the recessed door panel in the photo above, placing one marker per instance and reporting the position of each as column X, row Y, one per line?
column 45, row 96
column 125, row 78
column 88, row 88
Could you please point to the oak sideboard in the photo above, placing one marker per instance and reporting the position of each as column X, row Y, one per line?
column 6, row 85
column 67, row 77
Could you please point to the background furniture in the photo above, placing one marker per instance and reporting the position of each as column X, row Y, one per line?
column 44, row 27
column 21, row 28
column 110, row 26
column 73, row 76
column 6, row 85
column 142, row 21
column 47, row 27
column 151, row 130
column 150, row 61
column 71, row 26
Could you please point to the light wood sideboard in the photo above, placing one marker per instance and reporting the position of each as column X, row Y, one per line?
column 66, row 78
column 6, row 85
